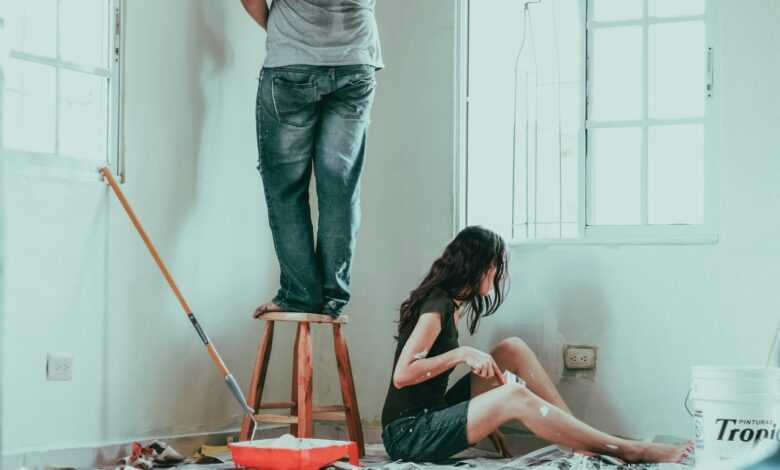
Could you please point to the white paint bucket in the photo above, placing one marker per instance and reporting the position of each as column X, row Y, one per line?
column 735, row 408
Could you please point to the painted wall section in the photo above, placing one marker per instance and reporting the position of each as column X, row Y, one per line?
column 407, row 187
column 79, row 279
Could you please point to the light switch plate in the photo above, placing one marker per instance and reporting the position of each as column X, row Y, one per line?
column 59, row 366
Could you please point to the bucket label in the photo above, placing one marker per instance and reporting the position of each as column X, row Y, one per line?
column 728, row 430
column 746, row 430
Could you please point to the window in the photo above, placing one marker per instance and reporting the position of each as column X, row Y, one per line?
column 61, row 90
column 589, row 120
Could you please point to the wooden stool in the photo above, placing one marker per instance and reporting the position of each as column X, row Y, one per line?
column 302, row 412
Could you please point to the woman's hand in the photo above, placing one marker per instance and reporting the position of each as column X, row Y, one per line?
column 481, row 363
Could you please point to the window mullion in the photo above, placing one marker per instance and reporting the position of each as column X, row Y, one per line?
column 643, row 162
column 582, row 167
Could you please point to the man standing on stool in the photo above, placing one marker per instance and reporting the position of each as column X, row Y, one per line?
column 313, row 104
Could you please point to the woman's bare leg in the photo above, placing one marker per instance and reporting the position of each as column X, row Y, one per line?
column 495, row 407
column 514, row 355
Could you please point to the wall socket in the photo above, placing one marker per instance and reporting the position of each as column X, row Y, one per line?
column 59, row 366
column 580, row 357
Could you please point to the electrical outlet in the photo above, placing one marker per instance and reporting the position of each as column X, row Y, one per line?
column 580, row 357
column 59, row 366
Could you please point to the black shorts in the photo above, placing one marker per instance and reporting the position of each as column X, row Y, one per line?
column 432, row 435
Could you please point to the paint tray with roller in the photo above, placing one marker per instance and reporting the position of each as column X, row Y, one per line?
column 292, row 453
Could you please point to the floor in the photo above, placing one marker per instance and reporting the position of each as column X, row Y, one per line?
column 549, row 458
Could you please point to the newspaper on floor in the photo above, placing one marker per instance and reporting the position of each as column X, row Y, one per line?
column 547, row 458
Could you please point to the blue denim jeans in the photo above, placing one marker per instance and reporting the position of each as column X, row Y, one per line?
column 313, row 119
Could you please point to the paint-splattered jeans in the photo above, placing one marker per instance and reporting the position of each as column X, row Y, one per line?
column 313, row 118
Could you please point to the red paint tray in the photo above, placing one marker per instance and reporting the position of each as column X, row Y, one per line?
column 313, row 454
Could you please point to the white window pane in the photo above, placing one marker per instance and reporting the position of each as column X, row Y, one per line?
column 32, row 26
column 543, row 38
column 83, row 115
column 677, row 63
column 572, row 107
column 570, row 230
column 28, row 107
column 548, row 178
column 616, row 10
column 570, row 34
column 616, row 71
column 676, row 7
column 570, row 194
column 675, row 174
column 549, row 231
column 490, row 164
column 614, row 176
column 525, row 137
column 84, row 32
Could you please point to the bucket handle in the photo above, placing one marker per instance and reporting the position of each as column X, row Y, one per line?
column 687, row 400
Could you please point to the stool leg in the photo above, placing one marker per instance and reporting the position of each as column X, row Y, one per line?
column 348, row 395
column 294, row 391
column 258, row 378
column 304, row 378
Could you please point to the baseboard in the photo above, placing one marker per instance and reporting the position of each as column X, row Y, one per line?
column 105, row 454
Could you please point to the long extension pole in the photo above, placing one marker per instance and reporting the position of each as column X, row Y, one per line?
column 215, row 357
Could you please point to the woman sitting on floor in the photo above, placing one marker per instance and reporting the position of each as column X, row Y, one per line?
column 423, row 423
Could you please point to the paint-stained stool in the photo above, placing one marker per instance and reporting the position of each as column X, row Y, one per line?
column 302, row 411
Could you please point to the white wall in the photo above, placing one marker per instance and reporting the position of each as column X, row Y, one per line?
column 79, row 279
column 655, row 311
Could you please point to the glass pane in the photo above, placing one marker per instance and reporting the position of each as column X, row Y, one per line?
column 490, row 169
column 548, row 178
column 615, row 10
column 569, row 27
column 572, row 101
column 677, row 70
column 28, row 107
column 84, row 31
column 614, row 176
column 83, row 115
column 570, row 160
column 616, row 71
column 676, row 174
column 676, row 7
column 32, row 26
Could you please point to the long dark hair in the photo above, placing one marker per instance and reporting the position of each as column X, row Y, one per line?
column 459, row 272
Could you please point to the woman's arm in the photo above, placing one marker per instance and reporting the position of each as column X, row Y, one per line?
column 414, row 366
column 257, row 9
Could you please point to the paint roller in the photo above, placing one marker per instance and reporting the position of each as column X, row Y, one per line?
column 230, row 381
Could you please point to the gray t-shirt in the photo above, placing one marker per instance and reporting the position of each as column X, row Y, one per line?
column 323, row 32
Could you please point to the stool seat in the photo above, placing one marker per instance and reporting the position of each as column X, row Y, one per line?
column 303, row 317
column 303, row 412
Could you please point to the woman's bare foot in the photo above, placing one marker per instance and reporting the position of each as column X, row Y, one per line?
column 266, row 308
column 659, row 453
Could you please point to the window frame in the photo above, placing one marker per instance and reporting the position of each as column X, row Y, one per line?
column 705, row 233
column 59, row 164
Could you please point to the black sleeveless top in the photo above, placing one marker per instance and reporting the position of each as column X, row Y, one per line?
column 429, row 394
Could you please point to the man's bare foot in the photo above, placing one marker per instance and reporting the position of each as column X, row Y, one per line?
column 266, row 308
column 659, row 453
